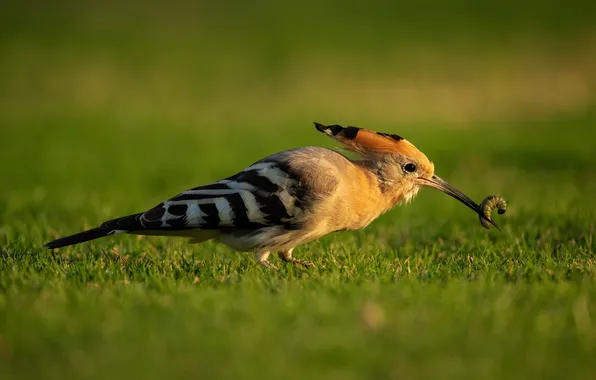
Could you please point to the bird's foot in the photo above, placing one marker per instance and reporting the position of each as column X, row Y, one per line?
column 262, row 259
column 267, row 264
column 286, row 256
column 302, row 263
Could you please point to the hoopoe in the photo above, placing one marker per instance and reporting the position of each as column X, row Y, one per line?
column 291, row 197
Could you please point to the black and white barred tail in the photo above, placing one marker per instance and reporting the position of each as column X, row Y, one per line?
column 111, row 227
column 81, row 237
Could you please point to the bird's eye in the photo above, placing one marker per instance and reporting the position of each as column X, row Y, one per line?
column 410, row 168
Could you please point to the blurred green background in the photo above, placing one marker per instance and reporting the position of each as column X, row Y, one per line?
column 107, row 108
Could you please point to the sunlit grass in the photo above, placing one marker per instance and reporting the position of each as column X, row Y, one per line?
column 448, row 299
column 98, row 123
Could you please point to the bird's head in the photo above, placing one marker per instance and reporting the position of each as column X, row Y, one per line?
column 400, row 167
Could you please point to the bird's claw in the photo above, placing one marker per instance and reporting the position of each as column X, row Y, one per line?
column 267, row 265
column 303, row 263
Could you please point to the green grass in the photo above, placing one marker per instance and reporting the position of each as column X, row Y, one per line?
column 424, row 292
column 98, row 122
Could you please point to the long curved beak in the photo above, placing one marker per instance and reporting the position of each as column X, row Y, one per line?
column 442, row 185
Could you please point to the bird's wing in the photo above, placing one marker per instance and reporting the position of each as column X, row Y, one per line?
column 277, row 191
column 264, row 194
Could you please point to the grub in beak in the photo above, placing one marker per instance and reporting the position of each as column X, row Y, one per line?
column 442, row 185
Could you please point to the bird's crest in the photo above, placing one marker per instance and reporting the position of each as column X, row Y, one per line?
column 368, row 142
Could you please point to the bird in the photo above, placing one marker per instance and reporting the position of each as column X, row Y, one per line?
column 292, row 197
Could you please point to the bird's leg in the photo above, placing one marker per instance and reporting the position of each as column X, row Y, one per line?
column 287, row 257
column 262, row 257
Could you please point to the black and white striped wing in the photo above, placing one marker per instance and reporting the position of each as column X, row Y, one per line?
column 264, row 194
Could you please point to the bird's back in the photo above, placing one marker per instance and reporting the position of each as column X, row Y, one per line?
column 306, row 181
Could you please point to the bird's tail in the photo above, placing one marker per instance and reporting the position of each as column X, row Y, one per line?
column 111, row 227
column 94, row 233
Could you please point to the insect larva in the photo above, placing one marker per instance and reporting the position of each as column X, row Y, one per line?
column 488, row 205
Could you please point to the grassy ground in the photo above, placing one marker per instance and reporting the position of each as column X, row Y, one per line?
column 97, row 122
